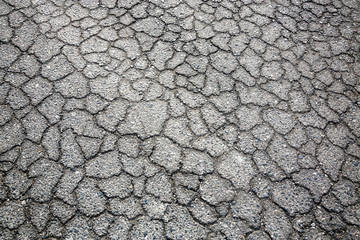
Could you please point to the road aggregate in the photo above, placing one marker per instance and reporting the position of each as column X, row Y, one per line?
column 180, row 119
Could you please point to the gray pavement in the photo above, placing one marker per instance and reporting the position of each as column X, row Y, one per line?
column 180, row 119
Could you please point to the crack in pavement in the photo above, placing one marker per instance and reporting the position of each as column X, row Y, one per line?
column 179, row 119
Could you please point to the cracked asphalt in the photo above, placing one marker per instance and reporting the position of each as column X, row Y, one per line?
column 180, row 119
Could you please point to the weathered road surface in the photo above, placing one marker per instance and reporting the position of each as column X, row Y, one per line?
column 179, row 119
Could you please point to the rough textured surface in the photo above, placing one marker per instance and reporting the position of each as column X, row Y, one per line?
column 179, row 119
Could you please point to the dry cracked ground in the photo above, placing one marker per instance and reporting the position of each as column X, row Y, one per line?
column 179, row 119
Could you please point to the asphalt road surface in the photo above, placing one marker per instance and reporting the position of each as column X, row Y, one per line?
column 180, row 119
